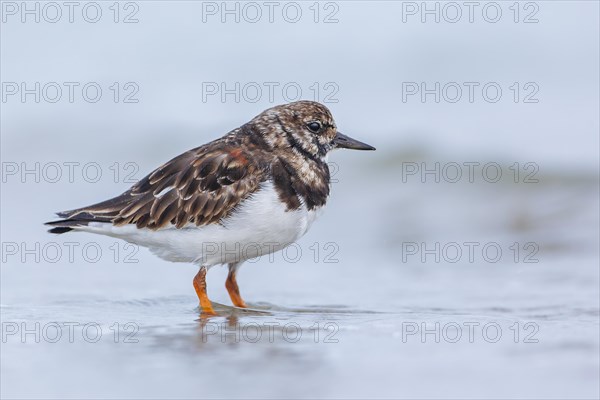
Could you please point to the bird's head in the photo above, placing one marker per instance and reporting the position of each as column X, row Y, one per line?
column 305, row 127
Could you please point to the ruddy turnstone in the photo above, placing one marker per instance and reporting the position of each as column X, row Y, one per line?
column 252, row 192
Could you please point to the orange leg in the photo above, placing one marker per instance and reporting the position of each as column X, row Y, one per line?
column 200, row 286
column 234, row 290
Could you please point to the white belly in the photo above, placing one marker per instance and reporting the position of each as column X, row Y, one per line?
column 260, row 225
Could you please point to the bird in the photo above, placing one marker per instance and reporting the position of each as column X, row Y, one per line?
column 249, row 193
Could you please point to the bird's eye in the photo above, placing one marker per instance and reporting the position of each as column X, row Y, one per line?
column 314, row 126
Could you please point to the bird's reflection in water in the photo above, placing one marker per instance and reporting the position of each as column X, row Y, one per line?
column 285, row 331
column 255, row 346
column 262, row 329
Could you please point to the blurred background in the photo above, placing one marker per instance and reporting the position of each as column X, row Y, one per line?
column 458, row 260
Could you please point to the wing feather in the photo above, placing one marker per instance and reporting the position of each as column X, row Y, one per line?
column 201, row 186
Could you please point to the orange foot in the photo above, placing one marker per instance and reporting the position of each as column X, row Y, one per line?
column 234, row 290
column 200, row 286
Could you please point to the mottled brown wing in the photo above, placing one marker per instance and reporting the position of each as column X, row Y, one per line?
column 200, row 186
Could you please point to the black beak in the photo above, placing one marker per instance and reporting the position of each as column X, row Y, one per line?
column 345, row 142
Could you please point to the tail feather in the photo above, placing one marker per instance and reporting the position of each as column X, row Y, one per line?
column 60, row 230
column 105, row 211
column 65, row 225
column 82, row 219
